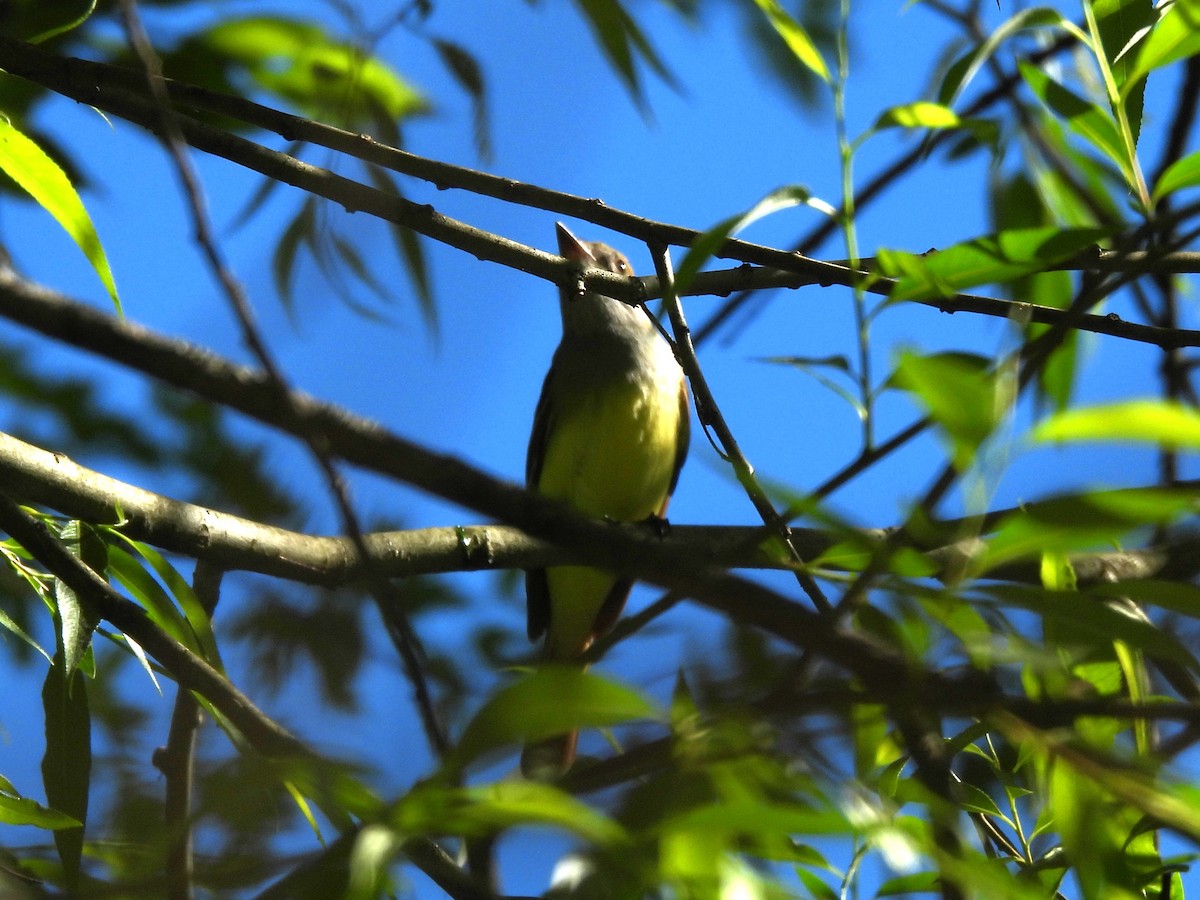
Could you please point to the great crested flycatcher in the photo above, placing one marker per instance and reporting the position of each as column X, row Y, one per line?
column 609, row 438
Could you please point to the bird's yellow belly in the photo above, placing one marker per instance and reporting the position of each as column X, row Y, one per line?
column 612, row 456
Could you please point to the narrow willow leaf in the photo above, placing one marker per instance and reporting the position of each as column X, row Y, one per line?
column 1095, row 125
column 708, row 243
column 959, row 392
column 1183, row 173
column 1141, row 421
column 7, row 622
column 44, row 180
column 793, row 34
column 67, row 763
column 921, row 114
column 23, row 811
column 78, row 617
column 435, row 808
column 963, row 71
column 994, row 259
column 1174, row 37
column 553, row 700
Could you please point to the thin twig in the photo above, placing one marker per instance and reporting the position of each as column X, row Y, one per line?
column 713, row 420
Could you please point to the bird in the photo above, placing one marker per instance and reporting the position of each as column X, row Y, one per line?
column 610, row 435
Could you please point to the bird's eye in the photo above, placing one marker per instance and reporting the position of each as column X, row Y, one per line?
column 622, row 265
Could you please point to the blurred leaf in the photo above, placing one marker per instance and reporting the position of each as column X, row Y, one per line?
column 1183, row 173
column 67, row 762
column 921, row 114
column 623, row 42
column 994, row 259
column 1017, row 203
column 959, row 392
column 408, row 244
column 1162, row 422
column 131, row 574
column 1095, row 125
column 959, row 75
column 1092, row 622
column 435, row 809
column 29, row 166
column 300, row 63
column 1174, row 37
column 795, row 37
column 326, row 633
column 551, row 701
column 465, row 70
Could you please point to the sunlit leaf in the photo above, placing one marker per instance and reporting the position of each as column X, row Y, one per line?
column 23, row 811
column 1089, row 121
column 795, row 37
column 959, row 75
column 993, row 259
column 303, row 64
column 708, row 243
column 959, row 392
column 436, row 809
column 551, row 701
column 1174, row 37
column 42, row 178
column 1160, row 422
column 1183, row 173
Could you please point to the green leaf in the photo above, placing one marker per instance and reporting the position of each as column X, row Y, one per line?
column 130, row 573
column 1086, row 619
column 959, row 75
column 42, row 178
column 1174, row 37
column 1122, row 23
column 18, row 810
column 1097, row 126
column 78, row 617
column 1080, row 522
column 921, row 114
column 67, row 763
column 622, row 42
column 1183, row 173
column 795, row 37
column 959, row 392
column 1161, row 422
column 710, row 241
column 435, row 809
column 7, row 621
column 553, row 700
column 301, row 63
column 994, row 259
column 408, row 244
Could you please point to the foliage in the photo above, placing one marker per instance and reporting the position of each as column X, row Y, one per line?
column 1000, row 704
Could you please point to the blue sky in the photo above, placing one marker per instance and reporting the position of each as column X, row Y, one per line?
column 561, row 119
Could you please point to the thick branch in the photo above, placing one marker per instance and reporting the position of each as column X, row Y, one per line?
column 233, row 543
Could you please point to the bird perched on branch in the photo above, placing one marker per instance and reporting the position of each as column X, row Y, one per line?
column 609, row 438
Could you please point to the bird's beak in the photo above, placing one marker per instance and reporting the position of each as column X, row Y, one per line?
column 571, row 247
